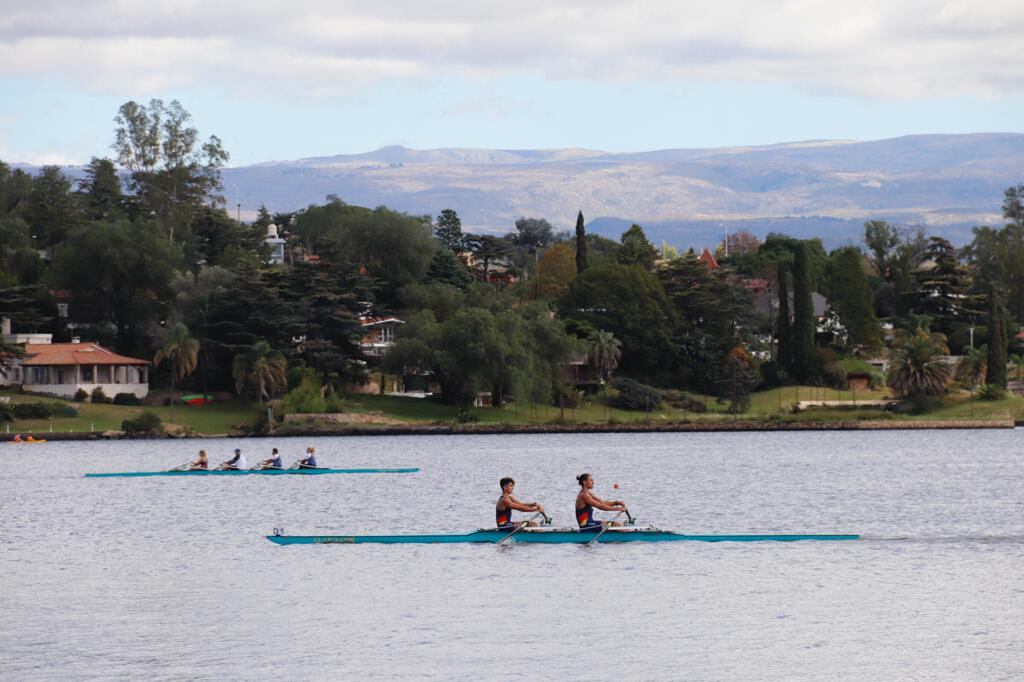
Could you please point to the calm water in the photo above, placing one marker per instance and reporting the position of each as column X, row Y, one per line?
column 170, row 578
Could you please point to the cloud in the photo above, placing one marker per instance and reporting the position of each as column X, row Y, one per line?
column 872, row 48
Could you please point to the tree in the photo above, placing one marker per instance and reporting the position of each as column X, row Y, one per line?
column 182, row 353
column 636, row 250
column 445, row 268
column 850, row 296
column 917, row 370
column 533, row 234
column 604, row 352
column 556, row 272
column 804, row 322
column 971, row 368
column 581, row 244
column 263, row 368
column 995, row 374
column 171, row 174
column 51, row 211
column 448, row 230
column 100, row 191
column 486, row 249
column 120, row 272
column 629, row 302
column 942, row 283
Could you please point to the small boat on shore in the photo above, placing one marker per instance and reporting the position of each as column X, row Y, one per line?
column 305, row 471
column 540, row 535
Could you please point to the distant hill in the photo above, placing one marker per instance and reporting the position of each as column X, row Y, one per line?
column 944, row 183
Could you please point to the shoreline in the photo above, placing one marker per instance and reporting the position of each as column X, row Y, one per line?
column 499, row 429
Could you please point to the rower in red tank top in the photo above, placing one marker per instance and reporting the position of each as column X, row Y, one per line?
column 507, row 503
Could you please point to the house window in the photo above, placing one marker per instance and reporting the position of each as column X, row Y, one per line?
column 39, row 375
column 87, row 374
column 387, row 335
column 62, row 310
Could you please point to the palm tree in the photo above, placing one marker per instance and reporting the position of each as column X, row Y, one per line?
column 917, row 369
column 263, row 368
column 972, row 366
column 605, row 351
column 182, row 352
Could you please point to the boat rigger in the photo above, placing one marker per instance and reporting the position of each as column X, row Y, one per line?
column 549, row 536
column 304, row 471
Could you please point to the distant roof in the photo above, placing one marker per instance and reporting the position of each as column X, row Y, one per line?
column 371, row 321
column 75, row 354
column 706, row 256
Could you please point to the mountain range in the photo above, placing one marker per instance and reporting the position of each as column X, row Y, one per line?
column 945, row 184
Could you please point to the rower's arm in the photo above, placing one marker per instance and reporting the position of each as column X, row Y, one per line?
column 603, row 505
column 513, row 503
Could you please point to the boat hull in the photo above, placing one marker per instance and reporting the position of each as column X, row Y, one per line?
column 244, row 472
column 553, row 537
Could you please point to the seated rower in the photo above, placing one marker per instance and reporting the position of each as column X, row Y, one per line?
column 30, row 439
column 236, row 462
column 309, row 461
column 586, row 501
column 507, row 503
column 17, row 438
column 201, row 463
column 272, row 462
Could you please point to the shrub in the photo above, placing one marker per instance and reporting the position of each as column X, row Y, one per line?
column 306, row 398
column 146, row 423
column 127, row 399
column 567, row 397
column 334, row 404
column 63, row 410
column 684, row 401
column 991, row 392
column 98, row 396
column 36, row 410
column 632, row 395
column 467, row 416
column 80, row 395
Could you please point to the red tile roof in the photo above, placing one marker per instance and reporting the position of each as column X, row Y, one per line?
column 706, row 256
column 74, row 354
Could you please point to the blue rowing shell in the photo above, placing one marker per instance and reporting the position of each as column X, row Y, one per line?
column 553, row 537
column 264, row 472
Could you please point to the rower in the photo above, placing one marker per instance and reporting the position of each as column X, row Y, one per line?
column 201, row 463
column 507, row 503
column 17, row 438
column 309, row 461
column 272, row 462
column 236, row 462
column 586, row 501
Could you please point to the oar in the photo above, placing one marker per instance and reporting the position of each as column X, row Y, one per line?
column 520, row 527
column 606, row 526
column 182, row 467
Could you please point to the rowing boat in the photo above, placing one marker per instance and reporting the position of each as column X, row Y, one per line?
column 545, row 536
column 306, row 471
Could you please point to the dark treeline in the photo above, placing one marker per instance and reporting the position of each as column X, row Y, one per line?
column 142, row 255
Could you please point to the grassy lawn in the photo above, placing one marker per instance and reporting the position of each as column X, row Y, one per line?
column 236, row 415
column 207, row 419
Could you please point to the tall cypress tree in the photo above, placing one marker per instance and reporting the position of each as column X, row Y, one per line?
column 581, row 244
column 803, row 314
column 785, row 355
column 995, row 373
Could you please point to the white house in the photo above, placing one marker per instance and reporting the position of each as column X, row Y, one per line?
column 64, row 368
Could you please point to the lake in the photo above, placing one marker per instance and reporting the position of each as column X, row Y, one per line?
column 170, row 578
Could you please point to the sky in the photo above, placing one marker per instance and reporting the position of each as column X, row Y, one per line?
column 282, row 81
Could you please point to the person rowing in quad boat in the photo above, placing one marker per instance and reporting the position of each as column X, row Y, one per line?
column 508, row 503
column 587, row 501
column 236, row 462
column 309, row 461
column 272, row 462
column 201, row 463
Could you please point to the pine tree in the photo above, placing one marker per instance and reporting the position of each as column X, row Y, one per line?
column 803, row 314
column 448, row 230
column 785, row 352
column 581, row 244
column 995, row 373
